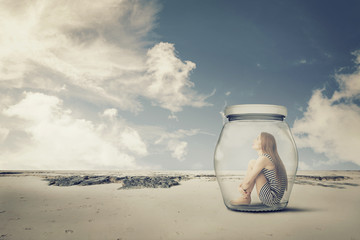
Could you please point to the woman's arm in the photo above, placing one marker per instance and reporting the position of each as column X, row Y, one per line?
column 254, row 172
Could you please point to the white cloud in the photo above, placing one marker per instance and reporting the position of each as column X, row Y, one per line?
column 332, row 125
column 93, row 54
column 43, row 134
column 174, row 142
column 133, row 142
column 178, row 149
column 94, row 50
column 94, row 46
column 172, row 116
column 349, row 83
column 227, row 93
column 302, row 61
column 169, row 79
column 36, row 107
column 304, row 166
column 57, row 140
column 110, row 113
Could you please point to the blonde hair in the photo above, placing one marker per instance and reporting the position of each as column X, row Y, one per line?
column 268, row 145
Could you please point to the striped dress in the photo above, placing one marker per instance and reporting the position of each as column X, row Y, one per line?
column 272, row 192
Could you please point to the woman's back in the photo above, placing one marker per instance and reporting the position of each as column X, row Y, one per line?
column 274, row 190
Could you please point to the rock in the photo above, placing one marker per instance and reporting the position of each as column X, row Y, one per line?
column 128, row 181
column 10, row 173
column 95, row 180
column 76, row 180
column 150, row 182
column 322, row 178
column 205, row 176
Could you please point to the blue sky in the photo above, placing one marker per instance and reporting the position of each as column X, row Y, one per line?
column 141, row 84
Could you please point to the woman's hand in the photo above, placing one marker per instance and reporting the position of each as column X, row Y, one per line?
column 242, row 190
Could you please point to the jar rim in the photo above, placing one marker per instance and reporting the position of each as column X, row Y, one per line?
column 254, row 109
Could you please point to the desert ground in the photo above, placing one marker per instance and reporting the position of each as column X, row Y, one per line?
column 189, row 207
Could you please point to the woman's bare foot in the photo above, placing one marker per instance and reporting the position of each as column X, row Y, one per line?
column 245, row 200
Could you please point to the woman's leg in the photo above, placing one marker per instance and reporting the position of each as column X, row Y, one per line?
column 246, row 199
column 259, row 182
column 250, row 167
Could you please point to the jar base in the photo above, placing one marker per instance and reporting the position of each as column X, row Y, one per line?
column 256, row 207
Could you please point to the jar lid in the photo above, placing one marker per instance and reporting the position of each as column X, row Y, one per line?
column 251, row 109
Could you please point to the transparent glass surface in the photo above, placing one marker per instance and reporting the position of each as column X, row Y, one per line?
column 234, row 152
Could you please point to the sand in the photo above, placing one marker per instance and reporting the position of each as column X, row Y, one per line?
column 31, row 209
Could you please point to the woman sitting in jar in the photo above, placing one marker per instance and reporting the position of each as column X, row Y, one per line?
column 267, row 172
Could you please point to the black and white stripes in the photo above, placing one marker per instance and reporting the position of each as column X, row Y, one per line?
column 272, row 192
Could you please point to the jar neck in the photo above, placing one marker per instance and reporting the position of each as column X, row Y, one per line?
column 256, row 117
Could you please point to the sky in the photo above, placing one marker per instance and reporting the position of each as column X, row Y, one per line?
column 120, row 84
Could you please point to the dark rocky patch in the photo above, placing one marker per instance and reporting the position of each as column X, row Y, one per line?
column 322, row 178
column 10, row 173
column 205, row 176
column 3, row 237
column 80, row 180
column 128, row 182
column 150, row 182
column 315, row 183
column 209, row 177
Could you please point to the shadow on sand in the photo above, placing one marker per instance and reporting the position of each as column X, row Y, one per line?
column 295, row 209
column 287, row 209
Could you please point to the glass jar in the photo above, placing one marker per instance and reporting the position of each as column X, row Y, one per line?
column 256, row 158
